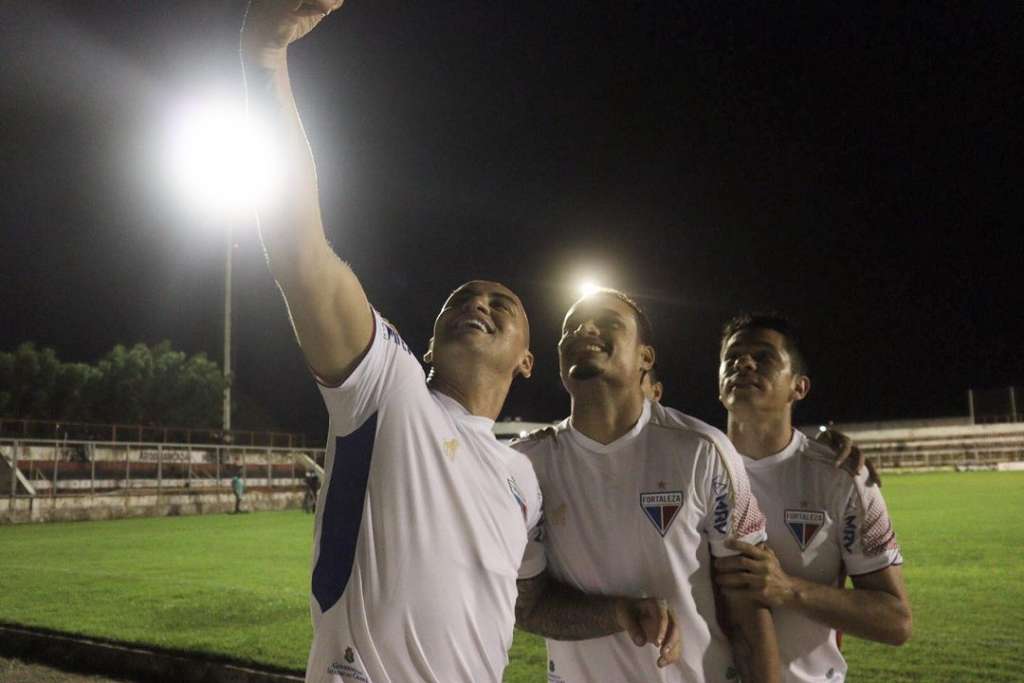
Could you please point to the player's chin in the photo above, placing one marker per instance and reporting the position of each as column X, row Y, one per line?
column 584, row 370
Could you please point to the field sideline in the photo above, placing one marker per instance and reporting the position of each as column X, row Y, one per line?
column 236, row 585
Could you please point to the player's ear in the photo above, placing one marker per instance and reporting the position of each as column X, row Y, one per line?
column 801, row 387
column 525, row 366
column 646, row 357
column 428, row 357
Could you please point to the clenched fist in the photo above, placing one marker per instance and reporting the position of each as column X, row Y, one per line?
column 270, row 26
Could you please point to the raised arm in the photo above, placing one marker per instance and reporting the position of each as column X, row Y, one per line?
column 326, row 303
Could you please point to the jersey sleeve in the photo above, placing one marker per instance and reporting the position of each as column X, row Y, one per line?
column 388, row 364
column 534, row 556
column 867, row 537
column 732, row 510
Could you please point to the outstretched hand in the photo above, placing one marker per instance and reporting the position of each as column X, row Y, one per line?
column 272, row 25
column 651, row 620
column 754, row 574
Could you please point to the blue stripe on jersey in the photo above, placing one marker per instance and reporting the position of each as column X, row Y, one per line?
column 343, row 513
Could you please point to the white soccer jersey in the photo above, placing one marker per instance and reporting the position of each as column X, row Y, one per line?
column 641, row 517
column 421, row 526
column 824, row 524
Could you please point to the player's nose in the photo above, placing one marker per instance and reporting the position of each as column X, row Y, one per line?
column 745, row 362
column 587, row 328
column 477, row 303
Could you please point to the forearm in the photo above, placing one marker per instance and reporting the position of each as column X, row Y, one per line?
column 564, row 613
column 326, row 303
column 870, row 614
column 755, row 648
column 289, row 217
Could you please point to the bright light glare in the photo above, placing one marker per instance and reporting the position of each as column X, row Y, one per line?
column 588, row 287
column 219, row 159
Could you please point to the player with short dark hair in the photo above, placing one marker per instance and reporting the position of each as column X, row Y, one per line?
column 824, row 522
column 639, row 498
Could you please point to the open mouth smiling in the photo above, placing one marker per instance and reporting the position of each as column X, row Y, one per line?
column 473, row 324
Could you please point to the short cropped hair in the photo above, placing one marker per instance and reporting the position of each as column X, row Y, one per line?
column 644, row 329
column 770, row 320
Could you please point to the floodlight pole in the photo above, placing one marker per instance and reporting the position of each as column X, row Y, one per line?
column 227, row 335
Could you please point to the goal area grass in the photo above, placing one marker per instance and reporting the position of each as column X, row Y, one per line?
column 236, row 586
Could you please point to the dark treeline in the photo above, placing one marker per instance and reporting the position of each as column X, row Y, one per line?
column 147, row 385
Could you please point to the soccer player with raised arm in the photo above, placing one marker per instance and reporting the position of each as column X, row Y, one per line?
column 423, row 517
column 824, row 523
column 638, row 499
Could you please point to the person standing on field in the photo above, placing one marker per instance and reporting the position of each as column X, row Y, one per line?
column 238, row 489
column 824, row 523
column 639, row 499
column 424, row 516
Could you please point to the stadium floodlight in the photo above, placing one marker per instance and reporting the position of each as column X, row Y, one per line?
column 221, row 163
column 219, row 158
column 589, row 287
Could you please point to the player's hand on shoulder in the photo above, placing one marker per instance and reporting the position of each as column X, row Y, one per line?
column 535, row 435
column 848, row 454
column 272, row 25
column 651, row 621
column 754, row 574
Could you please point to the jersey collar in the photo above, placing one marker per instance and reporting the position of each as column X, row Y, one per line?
column 460, row 414
column 596, row 447
column 795, row 445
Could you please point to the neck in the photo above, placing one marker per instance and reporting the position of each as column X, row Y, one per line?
column 482, row 394
column 759, row 436
column 604, row 413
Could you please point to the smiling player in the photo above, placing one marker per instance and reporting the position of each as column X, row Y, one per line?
column 424, row 516
column 638, row 499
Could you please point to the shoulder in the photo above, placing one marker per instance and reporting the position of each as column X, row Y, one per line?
column 687, row 428
column 540, row 440
column 822, row 458
column 518, row 463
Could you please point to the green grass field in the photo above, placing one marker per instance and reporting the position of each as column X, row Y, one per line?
column 237, row 585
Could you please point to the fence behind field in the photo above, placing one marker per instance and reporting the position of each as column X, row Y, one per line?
column 16, row 428
column 87, row 475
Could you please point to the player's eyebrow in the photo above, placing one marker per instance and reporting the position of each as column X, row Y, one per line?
column 596, row 313
column 509, row 298
column 473, row 290
column 748, row 345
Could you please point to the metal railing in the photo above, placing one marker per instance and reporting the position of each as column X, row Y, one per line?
column 92, row 431
column 73, row 467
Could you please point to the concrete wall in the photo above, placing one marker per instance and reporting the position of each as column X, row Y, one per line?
column 77, row 507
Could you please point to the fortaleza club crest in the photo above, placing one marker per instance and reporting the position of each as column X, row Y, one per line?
column 661, row 508
column 804, row 524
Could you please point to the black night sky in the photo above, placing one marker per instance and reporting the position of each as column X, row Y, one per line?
column 858, row 168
